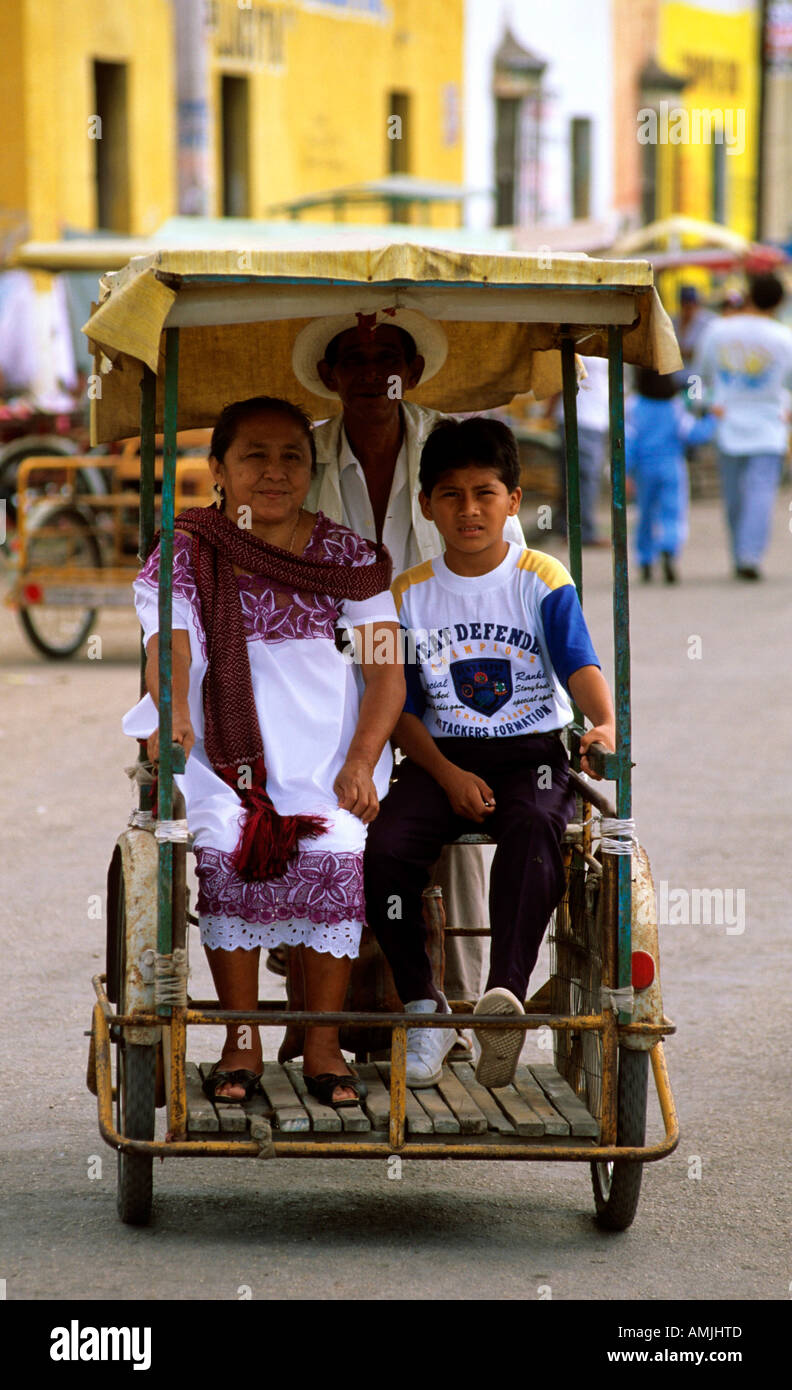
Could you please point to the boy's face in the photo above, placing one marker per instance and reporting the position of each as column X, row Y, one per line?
column 469, row 507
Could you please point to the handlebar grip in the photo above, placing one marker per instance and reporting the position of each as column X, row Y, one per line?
column 601, row 760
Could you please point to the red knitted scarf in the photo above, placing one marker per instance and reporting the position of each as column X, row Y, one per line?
column 232, row 736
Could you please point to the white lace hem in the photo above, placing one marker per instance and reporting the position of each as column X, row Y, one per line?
column 230, row 933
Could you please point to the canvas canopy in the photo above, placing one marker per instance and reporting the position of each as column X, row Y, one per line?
column 239, row 313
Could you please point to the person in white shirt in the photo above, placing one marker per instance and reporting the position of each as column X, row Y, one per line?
column 368, row 459
column 745, row 360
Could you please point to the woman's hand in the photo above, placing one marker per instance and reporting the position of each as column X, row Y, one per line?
column 356, row 792
column 469, row 795
column 602, row 733
column 182, row 731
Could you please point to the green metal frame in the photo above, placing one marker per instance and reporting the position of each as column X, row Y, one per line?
column 615, row 766
column 171, row 757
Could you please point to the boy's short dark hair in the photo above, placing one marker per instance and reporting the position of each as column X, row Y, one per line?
column 467, row 443
column 656, row 387
column 765, row 291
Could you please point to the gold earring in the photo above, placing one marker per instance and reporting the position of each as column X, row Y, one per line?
column 219, row 493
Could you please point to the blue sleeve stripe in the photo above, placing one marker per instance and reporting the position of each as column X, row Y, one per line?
column 567, row 637
column 415, row 703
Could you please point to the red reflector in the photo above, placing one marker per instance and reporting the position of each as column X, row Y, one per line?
column 643, row 969
column 32, row 593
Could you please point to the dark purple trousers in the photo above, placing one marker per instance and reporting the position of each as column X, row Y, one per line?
column 528, row 774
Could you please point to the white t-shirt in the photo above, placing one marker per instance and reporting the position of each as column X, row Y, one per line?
column 747, row 361
column 490, row 656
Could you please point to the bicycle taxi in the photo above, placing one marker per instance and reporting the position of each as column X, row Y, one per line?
column 177, row 335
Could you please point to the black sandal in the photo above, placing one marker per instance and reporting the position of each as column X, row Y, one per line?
column 322, row 1088
column 240, row 1077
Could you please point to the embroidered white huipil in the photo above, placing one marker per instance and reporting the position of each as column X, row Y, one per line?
column 307, row 701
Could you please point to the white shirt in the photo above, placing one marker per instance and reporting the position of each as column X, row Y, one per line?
column 747, row 360
column 488, row 656
column 397, row 531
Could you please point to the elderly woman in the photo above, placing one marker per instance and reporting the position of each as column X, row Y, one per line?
column 286, row 759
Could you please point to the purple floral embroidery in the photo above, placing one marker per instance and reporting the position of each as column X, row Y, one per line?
column 319, row 886
column 270, row 613
column 184, row 585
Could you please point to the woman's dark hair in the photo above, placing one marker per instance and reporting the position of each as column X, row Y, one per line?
column 765, row 291
column 407, row 341
column 234, row 415
column 655, row 387
column 467, row 443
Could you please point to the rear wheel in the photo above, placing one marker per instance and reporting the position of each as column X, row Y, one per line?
column 60, row 539
column 136, row 1078
column 576, row 956
column 617, row 1186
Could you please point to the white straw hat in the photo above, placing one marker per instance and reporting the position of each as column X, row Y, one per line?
column 311, row 342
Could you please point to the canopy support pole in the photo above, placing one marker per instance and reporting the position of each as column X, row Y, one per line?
column 621, row 636
column 166, row 754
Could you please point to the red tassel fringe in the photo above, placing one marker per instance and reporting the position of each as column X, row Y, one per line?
column 268, row 842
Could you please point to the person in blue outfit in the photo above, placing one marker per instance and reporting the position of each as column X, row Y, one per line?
column 657, row 432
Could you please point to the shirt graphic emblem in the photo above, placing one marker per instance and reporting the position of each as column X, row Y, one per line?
column 482, row 685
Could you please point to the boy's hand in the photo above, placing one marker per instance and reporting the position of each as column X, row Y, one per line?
column 601, row 733
column 469, row 795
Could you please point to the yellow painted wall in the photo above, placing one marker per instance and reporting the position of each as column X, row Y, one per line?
column 318, row 100
column 50, row 69
column 319, row 121
column 13, row 146
column 719, row 52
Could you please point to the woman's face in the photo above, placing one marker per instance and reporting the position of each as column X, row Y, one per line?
column 267, row 468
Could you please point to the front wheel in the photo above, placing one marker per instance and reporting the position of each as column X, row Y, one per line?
column 617, row 1186
column 137, row 1074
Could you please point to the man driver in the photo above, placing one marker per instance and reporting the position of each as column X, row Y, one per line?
column 368, row 458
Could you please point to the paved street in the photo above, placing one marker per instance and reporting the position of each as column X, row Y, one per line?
column 711, row 743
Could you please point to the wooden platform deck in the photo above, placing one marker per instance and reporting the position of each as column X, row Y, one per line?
column 538, row 1105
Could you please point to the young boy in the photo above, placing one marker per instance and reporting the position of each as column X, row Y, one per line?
column 494, row 638
column 658, row 429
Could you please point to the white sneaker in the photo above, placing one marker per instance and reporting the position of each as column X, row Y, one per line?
column 427, row 1047
column 500, row 1047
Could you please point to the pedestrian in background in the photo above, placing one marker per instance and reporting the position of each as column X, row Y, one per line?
column 658, row 429
column 745, row 361
column 691, row 323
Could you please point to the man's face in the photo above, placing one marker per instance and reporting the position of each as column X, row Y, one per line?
column 366, row 365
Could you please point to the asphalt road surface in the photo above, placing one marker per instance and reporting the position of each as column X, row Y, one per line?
column 711, row 743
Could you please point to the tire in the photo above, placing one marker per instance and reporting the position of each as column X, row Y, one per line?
column 136, row 1078
column 76, row 544
column 576, row 975
column 137, row 1070
column 576, row 964
column 617, row 1186
column 15, row 453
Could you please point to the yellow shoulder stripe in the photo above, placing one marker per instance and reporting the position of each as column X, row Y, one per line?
column 546, row 567
column 417, row 575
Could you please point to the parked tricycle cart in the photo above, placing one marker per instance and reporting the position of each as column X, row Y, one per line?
column 176, row 336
